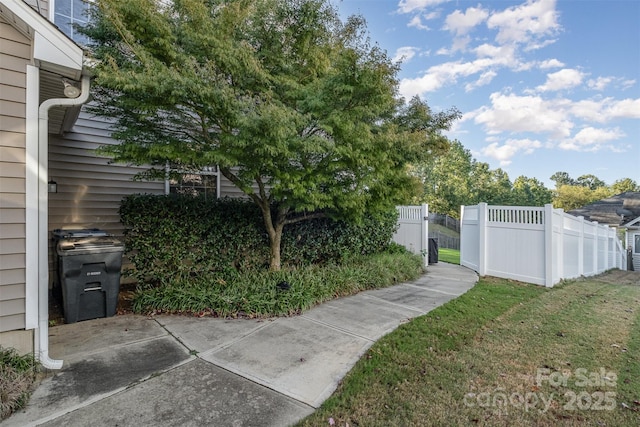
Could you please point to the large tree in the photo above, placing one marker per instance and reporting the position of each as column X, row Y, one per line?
column 590, row 181
column 446, row 180
column 490, row 186
column 530, row 192
column 297, row 108
column 623, row 185
column 562, row 178
column 569, row 197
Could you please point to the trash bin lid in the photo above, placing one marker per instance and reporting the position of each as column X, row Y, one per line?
column 89, row 245
column 78, row 232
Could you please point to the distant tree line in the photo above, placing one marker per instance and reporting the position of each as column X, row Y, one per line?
column 455, row 178
column 573, row 193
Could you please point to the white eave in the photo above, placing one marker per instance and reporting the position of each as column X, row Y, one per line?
column 52, row 50
column 632, row 223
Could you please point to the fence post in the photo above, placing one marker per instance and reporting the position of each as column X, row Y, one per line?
column 559, row 246
column 581, row 247
column 461, row 246
column 425, row 232
column 596, row 246
column 482, row 238
column 548, row 245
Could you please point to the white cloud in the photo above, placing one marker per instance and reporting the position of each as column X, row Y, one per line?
column 408, row 6
column 563, row 79
column 485, row 79
column 460, row 43
column 503, row 54
column 461, row 23
column 525, row 23
column 504, row 153
column 557, row 118
column 626, row 84
column 539, row 45
column 606, row 109
column 592, row 139
column 416, row 22
column 589, row 109
column 623, row 109
column 513, row 113
column 551, row 63
column 449, row 72
column 600, row 83
column 431, row 15
column 404, row 54
column 418, row 86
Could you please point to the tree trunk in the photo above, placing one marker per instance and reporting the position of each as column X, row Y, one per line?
column 274, row 227
column 275, row 263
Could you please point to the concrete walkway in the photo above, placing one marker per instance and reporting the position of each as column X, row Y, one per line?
column 183, row 371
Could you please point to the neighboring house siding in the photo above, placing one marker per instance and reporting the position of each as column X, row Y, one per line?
column 631, row 233
column 14, row 57
column 228, row 189
column 90, row 189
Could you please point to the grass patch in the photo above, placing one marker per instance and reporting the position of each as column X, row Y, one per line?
column 503, row 354
column 452, row 256
column 17, row 379
column 282, row 293
column 444, row 230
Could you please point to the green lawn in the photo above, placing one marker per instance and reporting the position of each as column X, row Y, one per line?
column 452, row 256
column 503, row 354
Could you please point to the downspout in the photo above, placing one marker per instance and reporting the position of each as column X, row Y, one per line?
column 43, row 219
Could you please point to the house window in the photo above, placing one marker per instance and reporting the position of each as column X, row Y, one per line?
column 636, row 245
column 68, row 14
column 204, row 182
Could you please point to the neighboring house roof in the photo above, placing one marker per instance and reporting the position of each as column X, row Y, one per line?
column 618, row 210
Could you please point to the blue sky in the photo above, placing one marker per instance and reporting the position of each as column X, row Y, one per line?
column 543, row 85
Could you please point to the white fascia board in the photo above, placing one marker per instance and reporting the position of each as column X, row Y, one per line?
column 632, row 223
column 50, row 44
column 48, row 50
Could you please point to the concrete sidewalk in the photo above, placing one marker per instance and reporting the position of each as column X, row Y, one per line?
column 175, row 370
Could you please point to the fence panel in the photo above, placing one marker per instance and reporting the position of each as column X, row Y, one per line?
column 535, row 245
column 515, row 243
column 413, row 229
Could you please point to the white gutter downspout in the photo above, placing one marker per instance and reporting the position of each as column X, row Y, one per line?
column 43, row 219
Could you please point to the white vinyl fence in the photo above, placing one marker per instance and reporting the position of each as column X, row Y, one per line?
column 536, row 245
column 413, row 229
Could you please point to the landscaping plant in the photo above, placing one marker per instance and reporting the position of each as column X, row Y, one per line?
column 176, row 238
column 17, row 379
column 264, row 293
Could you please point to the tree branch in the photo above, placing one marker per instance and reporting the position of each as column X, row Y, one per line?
column 305, row 218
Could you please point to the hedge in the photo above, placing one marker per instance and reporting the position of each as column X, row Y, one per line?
column 178, row 237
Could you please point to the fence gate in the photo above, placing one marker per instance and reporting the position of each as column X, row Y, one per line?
column 413, row 229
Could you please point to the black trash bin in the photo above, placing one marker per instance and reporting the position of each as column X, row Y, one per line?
column 88, row 264
column 433, row 250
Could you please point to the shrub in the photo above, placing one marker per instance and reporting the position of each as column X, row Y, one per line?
column 175, row 238
column 17, row 377
column 278, row 293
